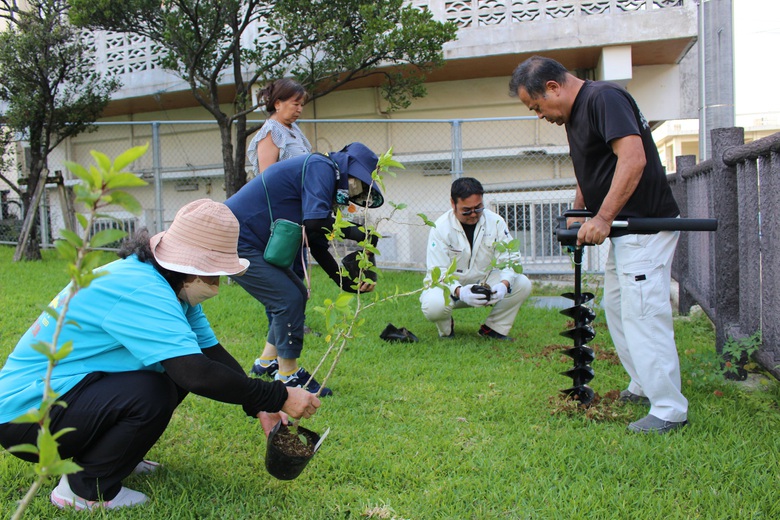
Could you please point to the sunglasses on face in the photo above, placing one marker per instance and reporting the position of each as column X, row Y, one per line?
column 479, row 209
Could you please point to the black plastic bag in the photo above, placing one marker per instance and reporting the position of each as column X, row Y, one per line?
column 402, row 335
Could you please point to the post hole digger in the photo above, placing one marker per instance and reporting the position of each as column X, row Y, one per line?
column 582, row 333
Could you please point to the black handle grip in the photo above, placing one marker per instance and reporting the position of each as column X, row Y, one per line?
column 568, row 237
column 668, row 224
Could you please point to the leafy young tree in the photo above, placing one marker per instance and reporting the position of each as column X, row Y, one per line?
column 325, row 44
column 50, row 90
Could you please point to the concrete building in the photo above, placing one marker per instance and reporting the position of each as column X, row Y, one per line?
column 466, row 125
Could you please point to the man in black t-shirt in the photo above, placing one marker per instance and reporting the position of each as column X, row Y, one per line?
column 619, row 175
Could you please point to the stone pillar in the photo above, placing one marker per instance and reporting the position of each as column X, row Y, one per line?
column 769, row 171
column 727, row 260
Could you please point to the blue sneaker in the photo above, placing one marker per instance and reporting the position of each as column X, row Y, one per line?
column 264, row 368
column 299, row 379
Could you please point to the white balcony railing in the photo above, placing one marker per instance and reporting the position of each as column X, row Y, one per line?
column 134, row 59
column 482, row 13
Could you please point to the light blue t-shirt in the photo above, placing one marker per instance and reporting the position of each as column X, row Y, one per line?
column 129, row 319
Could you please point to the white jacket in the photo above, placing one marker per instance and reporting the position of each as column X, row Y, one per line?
column 448, row 240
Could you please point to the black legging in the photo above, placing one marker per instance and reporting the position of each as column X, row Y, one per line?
column 117, row 419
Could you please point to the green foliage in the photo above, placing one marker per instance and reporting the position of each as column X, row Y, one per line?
column 100, row 187
column 324, row 45
column 455, row 429
column 343, row 314
column 737, row 352
column 48, row 83
column 508, row 256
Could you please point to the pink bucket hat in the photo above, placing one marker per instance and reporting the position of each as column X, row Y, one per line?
column 202, row 240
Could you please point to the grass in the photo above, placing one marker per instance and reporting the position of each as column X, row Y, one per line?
column 460, row 429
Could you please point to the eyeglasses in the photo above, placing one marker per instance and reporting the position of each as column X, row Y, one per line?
column 479, row 209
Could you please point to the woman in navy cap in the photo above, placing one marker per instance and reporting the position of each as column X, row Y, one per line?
column 303, row 190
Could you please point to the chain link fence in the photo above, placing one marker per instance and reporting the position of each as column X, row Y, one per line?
column 522, row 162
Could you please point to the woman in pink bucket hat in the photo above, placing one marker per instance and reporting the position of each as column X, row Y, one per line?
column 141, row 344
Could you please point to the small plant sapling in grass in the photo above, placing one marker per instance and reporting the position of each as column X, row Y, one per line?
column 101, row 186
column 737, row 354
column 342, row 314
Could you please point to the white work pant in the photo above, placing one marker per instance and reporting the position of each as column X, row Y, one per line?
column 501, row 317
column 637, row 303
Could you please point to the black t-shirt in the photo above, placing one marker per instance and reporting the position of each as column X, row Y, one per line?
column 603, row 112
column 469, row 229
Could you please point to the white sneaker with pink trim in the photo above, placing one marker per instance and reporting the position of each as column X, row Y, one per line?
column 145, row 467
column 63, row 497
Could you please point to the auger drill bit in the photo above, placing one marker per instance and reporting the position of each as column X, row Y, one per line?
column 582, row 373
column 582, row 333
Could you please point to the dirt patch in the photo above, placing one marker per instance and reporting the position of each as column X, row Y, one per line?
column 289, row 441
column 606, row 408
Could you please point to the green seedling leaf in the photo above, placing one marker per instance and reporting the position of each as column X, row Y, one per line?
column 426, row 220
column 50, row 311
column 93, row 260
column 32, row 416
column 127, row 201
column 86, row 196
column 64, row 350
column 64, row 467
column 82, row 173
column 73, row 323
column 60, row 433
column 65, row 250
column 125, row 180
column 106, row 236
column 102, row 160
column 125, row 158
column 42, row 347
column 82, row 220
column 72, row 238
column 24, row 448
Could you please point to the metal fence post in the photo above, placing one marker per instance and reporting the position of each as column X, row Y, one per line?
column 43, row 214
column 457, row 149
column 157, row 165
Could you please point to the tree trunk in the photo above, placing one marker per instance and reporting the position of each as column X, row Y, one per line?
column 27, row 248
column 234, row 179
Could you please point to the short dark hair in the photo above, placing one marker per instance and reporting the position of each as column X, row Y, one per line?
column 281, row 90
column 138, row 245
column 464, row 188
column 534, row 73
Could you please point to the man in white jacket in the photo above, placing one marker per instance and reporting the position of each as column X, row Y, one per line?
column 468, row 233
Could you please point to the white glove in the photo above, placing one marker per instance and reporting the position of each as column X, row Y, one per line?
column 499, row 291
column 471, row 298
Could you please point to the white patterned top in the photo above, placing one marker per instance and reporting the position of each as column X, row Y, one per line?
column 290, row 141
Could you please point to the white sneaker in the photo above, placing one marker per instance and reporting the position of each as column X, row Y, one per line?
column 145, row 467
column 63, row 497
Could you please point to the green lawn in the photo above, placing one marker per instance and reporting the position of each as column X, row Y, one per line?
column 461, row 429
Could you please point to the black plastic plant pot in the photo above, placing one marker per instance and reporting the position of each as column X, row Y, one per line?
column 286, row 455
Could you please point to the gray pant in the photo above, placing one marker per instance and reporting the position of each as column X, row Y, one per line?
column 501, row 317
column 637, row 278
column 284, row 297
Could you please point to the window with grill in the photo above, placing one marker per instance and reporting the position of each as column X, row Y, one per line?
column 125, row 224
column 533, row 222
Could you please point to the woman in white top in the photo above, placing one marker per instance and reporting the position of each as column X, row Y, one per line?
column 280, row 137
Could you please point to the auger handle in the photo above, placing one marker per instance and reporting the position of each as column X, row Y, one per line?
column 569, row 236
